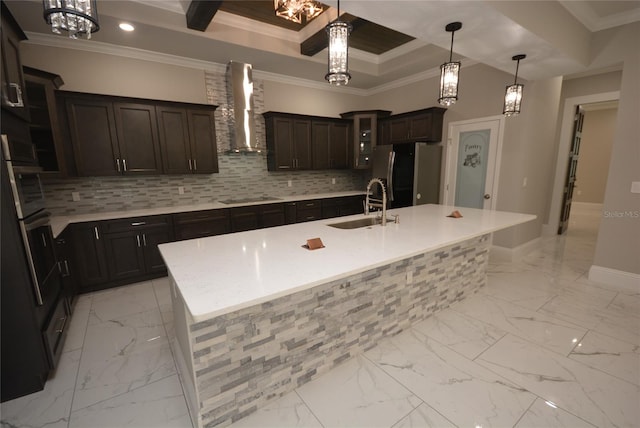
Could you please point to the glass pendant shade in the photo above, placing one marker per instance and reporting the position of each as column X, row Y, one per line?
column 513, row 93
column 76, row 17
column 338, row 65
column 513, row 99
column 449, row 72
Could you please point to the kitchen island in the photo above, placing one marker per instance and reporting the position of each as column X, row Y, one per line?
column 257, row 315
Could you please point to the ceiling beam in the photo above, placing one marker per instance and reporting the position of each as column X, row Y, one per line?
column 319, row 40
column 200, row 13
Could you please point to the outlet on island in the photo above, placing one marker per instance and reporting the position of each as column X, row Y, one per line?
column 75, row 196
column 180, row 190
column 333, row 181
column 289, row 183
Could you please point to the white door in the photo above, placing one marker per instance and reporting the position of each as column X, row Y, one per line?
column 473, row 162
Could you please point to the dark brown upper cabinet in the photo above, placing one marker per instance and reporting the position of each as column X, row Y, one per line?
column 288, row 141
column 330, row 143
column 125, row 136
column 13, row 90
column 92, row 128
column 187, row 140
column 416, row 126
column 138, row 143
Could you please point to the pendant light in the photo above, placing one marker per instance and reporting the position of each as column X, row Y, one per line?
column 338, row 63
column 513, row 94
column 296, row 10
column 76, row 17
column 449, row 72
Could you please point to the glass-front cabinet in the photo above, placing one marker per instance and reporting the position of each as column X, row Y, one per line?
column 365, row 133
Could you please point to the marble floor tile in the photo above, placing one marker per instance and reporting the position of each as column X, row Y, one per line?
column 78, row 324
column 590, row 394
column 554, row 334
column 357, row 394
column 462, row 391
column 49, row 407
column 122, row 301
column 603, row 320
column 424, row 417
column 547, row 415
column 121, row 355
column 585, row 294
column 159, row 404
column 162, row 290
column 529, row 289
column 629, row 305
column 465, row 335
column 610, row 355
column 288, row 411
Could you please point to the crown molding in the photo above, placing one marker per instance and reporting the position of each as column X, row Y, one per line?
column 145, row 55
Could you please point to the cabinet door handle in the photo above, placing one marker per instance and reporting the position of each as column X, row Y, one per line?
column 66, row 269
column 19, row 102
column 138, row 239
column 144, row 239
column 44, row 240
column 124, row 165
column 190, row 165
column 195, row 165
column 118, row 164
column 138, row 223
column 95, row 230
column 61, row 323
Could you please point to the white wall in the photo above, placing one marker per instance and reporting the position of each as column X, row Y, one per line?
column 595, row 155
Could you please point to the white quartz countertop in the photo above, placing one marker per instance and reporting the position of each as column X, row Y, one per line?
column 58, row 223
column 221, row 274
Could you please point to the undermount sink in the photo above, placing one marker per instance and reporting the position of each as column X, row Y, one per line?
column 361, row 222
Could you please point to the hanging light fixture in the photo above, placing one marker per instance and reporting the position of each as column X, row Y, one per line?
column 296, row 10
column 449, row 72
column 77, row 17
column 513, row 94
column 338, row 64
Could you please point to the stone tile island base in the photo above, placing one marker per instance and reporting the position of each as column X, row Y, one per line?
column 234, row 363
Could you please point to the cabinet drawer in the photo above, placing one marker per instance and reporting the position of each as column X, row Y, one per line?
column 308, row 210
column 133, row 223
column 55, row 331
column 195, row 216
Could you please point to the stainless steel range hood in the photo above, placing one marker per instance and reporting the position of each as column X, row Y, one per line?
column 240, row 97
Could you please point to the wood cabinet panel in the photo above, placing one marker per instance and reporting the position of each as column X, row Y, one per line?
column 417, row 126
column 89, row 255
column 93, row 133
column 302, row 143
column 13, row 93
column 173, row 131
column 199, row 224
column 272, row 215
column 320, row 140
column 138, row 142
column 204, row 150
column 151, row 238
column 125, row 255
column 339, row 145
column 245, row 218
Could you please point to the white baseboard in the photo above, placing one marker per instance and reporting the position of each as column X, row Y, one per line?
column 586, row 206
column 627, row 280
column 500, row 254
column 549, row 230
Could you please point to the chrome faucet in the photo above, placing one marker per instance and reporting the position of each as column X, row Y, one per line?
column 376, row 203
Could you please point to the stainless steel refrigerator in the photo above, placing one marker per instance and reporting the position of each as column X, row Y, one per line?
column 411, row 173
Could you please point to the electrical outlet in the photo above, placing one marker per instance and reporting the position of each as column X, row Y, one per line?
column 410, row 277
column 180, row 190
column 333, row 181
column 289, row 183
column 524, row 182
column 75, row 196
column 579, row 192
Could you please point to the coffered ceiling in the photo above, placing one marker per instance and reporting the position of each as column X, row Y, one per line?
column 394, row 40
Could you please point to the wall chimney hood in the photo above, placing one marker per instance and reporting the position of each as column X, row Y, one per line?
column 240, row 97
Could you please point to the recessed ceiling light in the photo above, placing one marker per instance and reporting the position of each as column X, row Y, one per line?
column 126, row 26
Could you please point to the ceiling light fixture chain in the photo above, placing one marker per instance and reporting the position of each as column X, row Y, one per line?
column 338, row 62
column 450, row 72
column 77, row 17
column 513, row 93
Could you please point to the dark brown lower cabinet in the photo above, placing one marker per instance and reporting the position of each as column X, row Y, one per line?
column 89, row 255
column 308, row 210
column 199, row 224
column 132, row 246
column 272, row 215
column 244, row 218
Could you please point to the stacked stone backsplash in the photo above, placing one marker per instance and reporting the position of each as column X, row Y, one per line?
column 241, row 176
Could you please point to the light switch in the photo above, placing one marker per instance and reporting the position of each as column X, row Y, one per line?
column 333, row 181
column 635, row 187
column 289, row 183
column 180, row 190
column 75, row 196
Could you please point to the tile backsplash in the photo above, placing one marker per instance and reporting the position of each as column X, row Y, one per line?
column 241, row 175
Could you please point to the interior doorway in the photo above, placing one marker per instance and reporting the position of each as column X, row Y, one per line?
column 578, row 172
column 474, row 150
